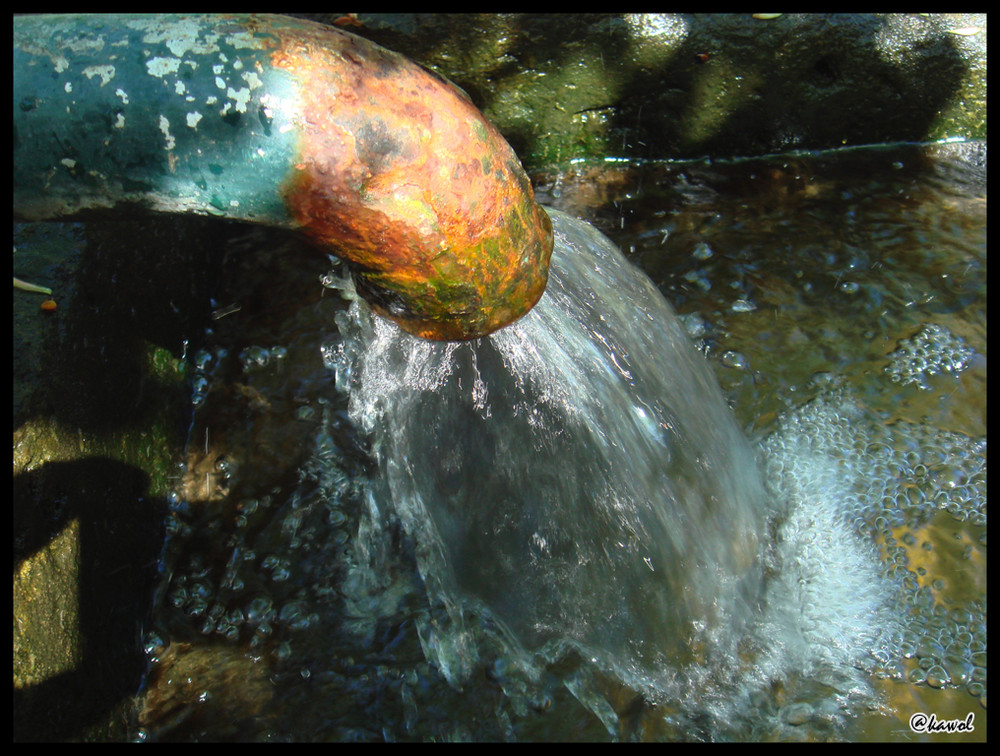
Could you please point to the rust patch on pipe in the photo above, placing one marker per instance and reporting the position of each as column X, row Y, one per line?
column 405, row 179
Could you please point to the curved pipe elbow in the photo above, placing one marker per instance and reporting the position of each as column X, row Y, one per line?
column 288, row 123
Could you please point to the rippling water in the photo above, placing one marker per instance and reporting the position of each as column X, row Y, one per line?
column 559, row 532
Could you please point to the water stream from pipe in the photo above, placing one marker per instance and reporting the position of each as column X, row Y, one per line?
column 577, row 477
column 561, row 532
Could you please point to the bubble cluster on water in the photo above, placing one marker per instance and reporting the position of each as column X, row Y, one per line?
column 203, row 364
column 257, row 357
column 253, row 566
column 931, row 351
column 903, row 503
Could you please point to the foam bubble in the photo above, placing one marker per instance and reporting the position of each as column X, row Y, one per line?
column 931, row 351
column 876, row 515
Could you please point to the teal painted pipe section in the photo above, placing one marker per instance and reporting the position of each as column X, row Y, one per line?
column 169, row 113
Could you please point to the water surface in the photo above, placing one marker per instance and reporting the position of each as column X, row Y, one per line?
column 319, row 591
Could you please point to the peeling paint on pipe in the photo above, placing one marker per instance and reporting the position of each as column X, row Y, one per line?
column 287, row 123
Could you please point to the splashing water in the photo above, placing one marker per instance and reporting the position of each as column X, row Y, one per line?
column 578, row 481
column 576, row 478
column 590, row 527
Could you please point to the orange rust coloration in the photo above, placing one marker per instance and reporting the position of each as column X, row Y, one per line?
column 407, row 180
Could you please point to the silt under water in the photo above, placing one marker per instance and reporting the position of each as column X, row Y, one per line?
column 562, row 532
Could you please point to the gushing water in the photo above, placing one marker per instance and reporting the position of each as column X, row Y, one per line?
column 577, row 478
column 588, row 523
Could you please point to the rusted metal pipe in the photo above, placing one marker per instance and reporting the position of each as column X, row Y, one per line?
column 287, row 123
